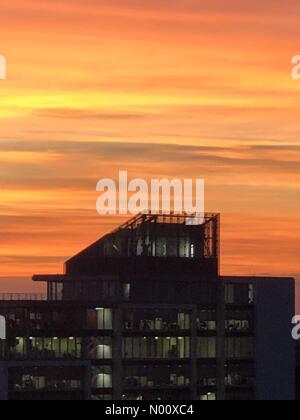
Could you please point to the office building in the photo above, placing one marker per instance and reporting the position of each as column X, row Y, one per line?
column 144, row 314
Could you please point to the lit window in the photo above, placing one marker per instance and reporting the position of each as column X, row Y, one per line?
column 208, row 397
column 99, row 348
column 251, row 294
column 126, row 290
column 229, row 293
column 192, row 251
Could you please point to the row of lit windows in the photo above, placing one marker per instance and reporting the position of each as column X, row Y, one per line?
column 156, row 320
column 41, row 348
column 179, row 348
column 47, row 348
column 156, row 348
column 166, row 320
column 42, row 383
column 167, row 348
column 168, row 247
column 101, row 319
column 46, row 378
column 100, row 348
column 150, row 377
column 156, row 376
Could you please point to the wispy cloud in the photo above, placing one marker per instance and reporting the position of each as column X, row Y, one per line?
column 183, row 88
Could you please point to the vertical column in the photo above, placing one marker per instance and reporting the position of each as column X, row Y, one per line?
column 88, row 372
column 87, row 382
column 3, row 382
column 194, row 364
column 221, row 337
column 117, row 354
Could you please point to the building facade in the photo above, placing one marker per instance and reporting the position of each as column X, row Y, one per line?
column 143, row 314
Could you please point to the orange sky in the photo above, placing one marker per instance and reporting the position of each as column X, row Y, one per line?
column 163, row 88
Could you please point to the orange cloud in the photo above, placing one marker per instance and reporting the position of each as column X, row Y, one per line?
column 187, row 89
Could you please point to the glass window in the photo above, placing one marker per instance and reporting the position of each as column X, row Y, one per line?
column 45, row 378
column 54, row 348
column 192, row 251
column 155, row 376
column 100, row 319
column 239, row 321
column 240, row 375
column 206, row 347
column 156, row 348
column 17, row 349
column 207, row 375
column 239, row 294
column 250, row 294
column 157, row 320
column 208, row 397
column 229, row 293
column 99, row 348
column 240, row 347
column 206, row 320
column 126, row 291
column 101, row 377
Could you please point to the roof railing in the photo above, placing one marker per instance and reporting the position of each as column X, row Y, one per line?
column 23, row 297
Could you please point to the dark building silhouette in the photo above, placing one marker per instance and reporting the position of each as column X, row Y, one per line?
column 143, row 314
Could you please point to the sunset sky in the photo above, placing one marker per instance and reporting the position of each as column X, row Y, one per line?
column 185, row 88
